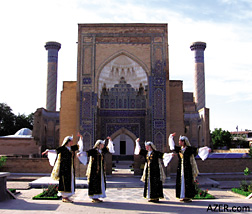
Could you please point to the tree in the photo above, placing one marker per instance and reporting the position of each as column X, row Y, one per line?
column 22, row 121
column 241, row 142
column 10, row 123
column 221, row 138
column 7, row 120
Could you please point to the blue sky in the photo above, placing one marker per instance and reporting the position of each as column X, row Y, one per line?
column 225, row 25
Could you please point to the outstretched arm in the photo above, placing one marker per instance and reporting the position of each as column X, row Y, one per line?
column 52, row 155
column 167, row 157
column 204, row 152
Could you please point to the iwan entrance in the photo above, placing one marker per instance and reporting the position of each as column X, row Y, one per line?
column 122, row 85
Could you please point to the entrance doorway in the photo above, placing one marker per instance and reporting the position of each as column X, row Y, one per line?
column 124, row 148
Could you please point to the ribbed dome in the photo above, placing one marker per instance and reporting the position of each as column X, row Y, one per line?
column 24, row 131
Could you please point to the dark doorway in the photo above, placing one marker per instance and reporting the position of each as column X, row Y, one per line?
column 122, row 147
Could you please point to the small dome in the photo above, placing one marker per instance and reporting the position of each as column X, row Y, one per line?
column 24, row 131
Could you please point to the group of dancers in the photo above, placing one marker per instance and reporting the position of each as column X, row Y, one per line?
column 62, row 160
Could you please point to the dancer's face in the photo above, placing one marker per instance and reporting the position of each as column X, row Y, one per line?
column 70, row 143
column 148, row 148
column 101, row 146
column 181, row 143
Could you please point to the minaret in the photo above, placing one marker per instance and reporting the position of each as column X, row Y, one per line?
column 52, row 67
column 199, row 76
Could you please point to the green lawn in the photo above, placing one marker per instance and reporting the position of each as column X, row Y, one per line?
column 208, row 196
column 241, row 192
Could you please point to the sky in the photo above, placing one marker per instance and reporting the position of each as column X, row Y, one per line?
column 225, row 26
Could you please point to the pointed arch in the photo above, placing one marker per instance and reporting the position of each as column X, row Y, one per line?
column 126, row 132
column 158, row 141
column 87, row 143
column 135, row 62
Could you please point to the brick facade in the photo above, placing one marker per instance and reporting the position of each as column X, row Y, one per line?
column 18, row 147
column 68, row 112
column 211, row 165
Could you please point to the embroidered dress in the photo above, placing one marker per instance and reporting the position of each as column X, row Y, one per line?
column 184, row 182
column 187, row 169
column 96, row 170
column 153, row 186
column 64, row 170
column 153, row 174
column 96, row 173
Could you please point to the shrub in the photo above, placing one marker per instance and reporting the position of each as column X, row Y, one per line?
column 2, row 160
column 52, row 190
column 201, row 193
column 244, row 186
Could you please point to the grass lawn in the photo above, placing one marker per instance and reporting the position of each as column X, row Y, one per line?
column 241, row 192
column 207, row 196
column 42, row 196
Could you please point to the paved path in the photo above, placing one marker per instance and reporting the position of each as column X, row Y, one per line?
column 123, row 200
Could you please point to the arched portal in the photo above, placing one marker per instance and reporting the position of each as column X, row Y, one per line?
column 124, row 143
column 122, row 101
column 122, row 81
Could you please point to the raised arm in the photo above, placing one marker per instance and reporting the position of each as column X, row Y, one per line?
column 82, row 156
column 80, row 143
column 110, row 145
column 171, row 141
column 137, row 148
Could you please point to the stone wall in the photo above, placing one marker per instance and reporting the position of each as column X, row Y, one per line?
column 18, row 146
column 27, row 165
column 36, row 165
column 217, row 165
column 220, row 165
column 211, row 165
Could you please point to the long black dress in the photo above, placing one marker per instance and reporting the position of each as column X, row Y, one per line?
column 97, row 167
column 66, row 166
column 188, row 175
column 153, row 173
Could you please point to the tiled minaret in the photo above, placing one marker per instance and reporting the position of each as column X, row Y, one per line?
column 199, row 76
column 52, row 67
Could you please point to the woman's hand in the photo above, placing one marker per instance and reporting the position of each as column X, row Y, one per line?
column 173, row 134
column 79, row 135
column 45, row 152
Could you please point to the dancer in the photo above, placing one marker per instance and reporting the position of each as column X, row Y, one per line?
column 95, row 170
column 187, row 170
column 63, row 169
column 153, row 174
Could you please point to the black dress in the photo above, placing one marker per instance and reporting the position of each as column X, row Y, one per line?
column 153, row 172
column 188, row 175
column 97, row 167
column 66, row 166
